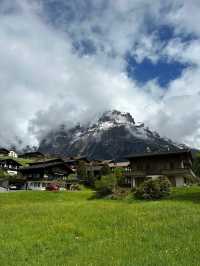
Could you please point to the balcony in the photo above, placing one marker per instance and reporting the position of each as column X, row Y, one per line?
column 167, row 172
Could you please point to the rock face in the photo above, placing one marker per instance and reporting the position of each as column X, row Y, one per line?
column 113, row 136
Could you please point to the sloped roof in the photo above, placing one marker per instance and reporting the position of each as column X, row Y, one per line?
column 47, row 164
column 158, row 154
column 56, row 160
column 119, row 164
column 36, row 153
column 3, row 150
column 10, row 159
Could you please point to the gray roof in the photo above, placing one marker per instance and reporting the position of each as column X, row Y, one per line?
column 157, row 154
column 45, row 165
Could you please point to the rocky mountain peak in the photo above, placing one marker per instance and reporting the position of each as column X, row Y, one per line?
column 116, row 117
column 114, row 135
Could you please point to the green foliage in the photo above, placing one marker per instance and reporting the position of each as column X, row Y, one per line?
column 119, row 174
column 19, row 178
column 109, row 184
column 105, row 170
column 75, row 187
column 3, row 174
column 22, row 161
column 71, row 177
column 153, row 189
column 105, row 185
column 91, row 179
column 41, row 228
column 82, row 170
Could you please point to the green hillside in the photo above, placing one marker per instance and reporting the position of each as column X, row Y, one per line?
column 68, row 228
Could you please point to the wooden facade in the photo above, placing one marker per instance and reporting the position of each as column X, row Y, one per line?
column 46, row 170
column 4, row 152
column 10, row 165
column 177, row 166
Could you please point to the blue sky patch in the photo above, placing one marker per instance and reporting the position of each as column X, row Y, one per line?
column 163, row 71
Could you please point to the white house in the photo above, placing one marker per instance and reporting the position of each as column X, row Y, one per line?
column 12, row 154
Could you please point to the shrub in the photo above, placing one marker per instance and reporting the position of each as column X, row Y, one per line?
column 105, row 185
column 75, row 187
column 119, row 174
column 105, row 170
column 153, row 189
column 3, row 174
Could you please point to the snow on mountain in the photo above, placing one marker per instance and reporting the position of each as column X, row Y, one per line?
column 114, row 135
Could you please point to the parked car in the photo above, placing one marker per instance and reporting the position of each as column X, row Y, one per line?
column 52, row 187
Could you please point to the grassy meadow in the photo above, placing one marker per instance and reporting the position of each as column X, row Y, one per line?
column 68, row 228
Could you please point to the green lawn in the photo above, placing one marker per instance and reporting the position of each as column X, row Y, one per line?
column 67, row 228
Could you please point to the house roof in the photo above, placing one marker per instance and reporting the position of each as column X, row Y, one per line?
column 43, row 165
column 10, row 159
column 119, row 164
column 56, row 160
column 3, row 150
column 36, row 153
column 159, row 154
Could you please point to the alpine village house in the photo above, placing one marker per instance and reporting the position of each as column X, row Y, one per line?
column 38, row 173
column 175, row 165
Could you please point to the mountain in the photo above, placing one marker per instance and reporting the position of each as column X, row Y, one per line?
column 113, row 136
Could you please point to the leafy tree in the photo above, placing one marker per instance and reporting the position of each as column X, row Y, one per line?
column 119, row 174
column 105, row 185
column 153, row 189
column 105, row 170
column 3, row 174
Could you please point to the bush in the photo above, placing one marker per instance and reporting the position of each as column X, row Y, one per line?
column 153, row 189
column 119, row 174
column 105, row 185
column 75, row 187
column 3, row 174
column 105, row 170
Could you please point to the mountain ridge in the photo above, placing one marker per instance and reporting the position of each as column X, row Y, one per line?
column 114, row 135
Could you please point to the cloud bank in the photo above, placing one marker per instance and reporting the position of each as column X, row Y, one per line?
column 63, row 62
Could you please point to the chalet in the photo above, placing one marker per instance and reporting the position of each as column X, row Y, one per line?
column 125, row 165
column 95, row 166
column 176, row 165
column 3, row 152
column 10, row 165
column 12, row 154
column 40, row 174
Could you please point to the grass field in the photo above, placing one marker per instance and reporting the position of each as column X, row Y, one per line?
column 67, row 228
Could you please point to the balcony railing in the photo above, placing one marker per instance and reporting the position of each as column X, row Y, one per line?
column 176, row 171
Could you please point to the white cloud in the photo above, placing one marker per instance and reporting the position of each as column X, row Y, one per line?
column 44, row 82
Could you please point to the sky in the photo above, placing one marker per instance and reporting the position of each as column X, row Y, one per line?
column 66, row 61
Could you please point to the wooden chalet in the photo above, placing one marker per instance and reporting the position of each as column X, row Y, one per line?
column 10, row 165
column 11, row 168
column 39, row 174
column 4, row 152
column 176, row 165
